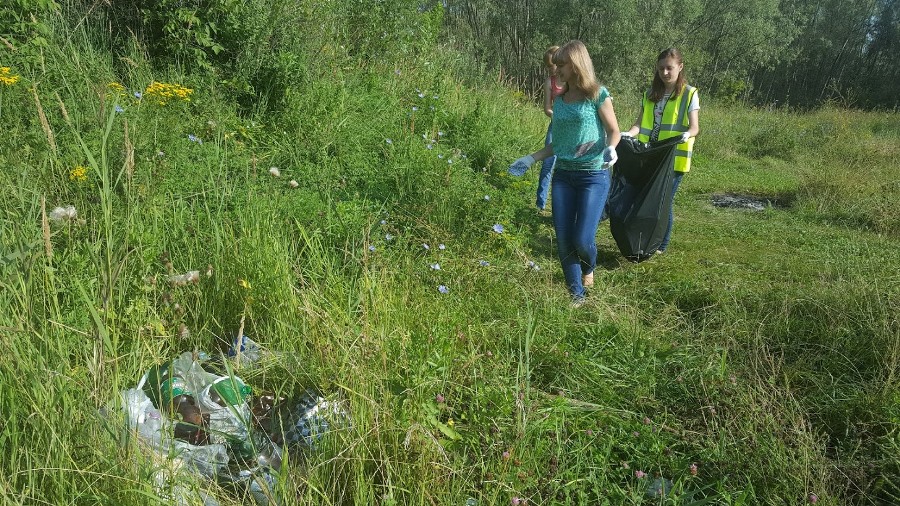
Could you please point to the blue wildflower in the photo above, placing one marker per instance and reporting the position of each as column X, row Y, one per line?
column 435, row 266
column 443, row 289
column 441, row 246
column 119, row 109
column 484, row 263
column 388, row 237
column 498, row 228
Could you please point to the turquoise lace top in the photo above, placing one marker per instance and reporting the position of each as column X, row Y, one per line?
column 578, row 135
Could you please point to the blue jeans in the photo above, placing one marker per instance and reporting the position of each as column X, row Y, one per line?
column 675, row 182
column 579, row 197
column 546, row 174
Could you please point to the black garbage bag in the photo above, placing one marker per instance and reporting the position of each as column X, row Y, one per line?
column 640, row 195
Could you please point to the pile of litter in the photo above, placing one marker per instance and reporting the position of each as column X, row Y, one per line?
column 198, row 424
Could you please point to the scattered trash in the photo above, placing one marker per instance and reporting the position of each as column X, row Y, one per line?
column 249, row 350
column 209, row 426
column 183, row 279
column 737, row 201
column 660, row 487
column 67, row 213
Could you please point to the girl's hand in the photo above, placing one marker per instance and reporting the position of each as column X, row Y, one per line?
column 519, row 166
column 609, row 156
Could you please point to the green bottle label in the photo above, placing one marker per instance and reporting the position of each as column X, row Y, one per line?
column 231, row 389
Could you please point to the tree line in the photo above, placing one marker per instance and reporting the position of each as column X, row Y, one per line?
column 800, row 53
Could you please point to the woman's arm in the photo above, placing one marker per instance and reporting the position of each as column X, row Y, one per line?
column 636, row 127
column 543, row 154
column 693, row 123
column 548, row 98
column 608, row 119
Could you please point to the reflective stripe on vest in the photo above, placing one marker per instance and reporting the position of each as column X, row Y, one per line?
column 673, row 123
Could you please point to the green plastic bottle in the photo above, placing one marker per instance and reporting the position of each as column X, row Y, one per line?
column 163, row 386
column 229, row 391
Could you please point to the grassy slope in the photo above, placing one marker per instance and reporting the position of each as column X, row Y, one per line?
column 763, row 348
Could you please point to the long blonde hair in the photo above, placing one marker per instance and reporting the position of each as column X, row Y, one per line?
column 585, row 80
column 548, row 55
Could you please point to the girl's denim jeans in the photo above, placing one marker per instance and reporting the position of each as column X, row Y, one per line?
column 546, row 174
column 579, row 197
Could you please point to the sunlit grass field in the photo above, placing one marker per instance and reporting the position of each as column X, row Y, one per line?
column 390, row 261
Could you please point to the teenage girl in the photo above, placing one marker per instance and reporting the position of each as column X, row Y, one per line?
column 585, row 134
column 552, row 88
column 670, row 108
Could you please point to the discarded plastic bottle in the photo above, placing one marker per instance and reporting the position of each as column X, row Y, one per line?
column 163, row 385
column 229, row 391
column 191, row 424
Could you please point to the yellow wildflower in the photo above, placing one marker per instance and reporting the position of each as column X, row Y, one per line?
column 116, row 87
column 78, row 173
column 7, row 78
column 163, row 93
column 450, row 422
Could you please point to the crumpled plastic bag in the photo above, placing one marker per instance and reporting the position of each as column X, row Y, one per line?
column 229, row 434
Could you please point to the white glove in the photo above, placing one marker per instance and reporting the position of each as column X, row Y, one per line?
column 626, row 133
column 685, row 136
column 609, row 156
column 519, row 166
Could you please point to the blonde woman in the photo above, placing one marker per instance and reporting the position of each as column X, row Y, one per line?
column 585, row 134
column 553, row 87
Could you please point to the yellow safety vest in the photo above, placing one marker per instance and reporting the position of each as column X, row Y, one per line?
column 674, row 122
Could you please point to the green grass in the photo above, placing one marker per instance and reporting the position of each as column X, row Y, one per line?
column 762, row 348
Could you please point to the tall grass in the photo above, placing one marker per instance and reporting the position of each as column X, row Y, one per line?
column 755, row 363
